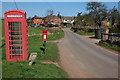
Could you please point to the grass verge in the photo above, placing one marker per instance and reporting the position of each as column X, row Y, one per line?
column 56, row 36
column 34, row 30
column 83, row 33
column 21, row 69
column 34, row 45
column 38, row 30
column 2, row 28
column 115, row 48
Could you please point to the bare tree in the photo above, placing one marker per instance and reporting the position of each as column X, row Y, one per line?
column 50, row 12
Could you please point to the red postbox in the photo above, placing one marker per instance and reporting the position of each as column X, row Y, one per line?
column 16, row 35
column 45, row 35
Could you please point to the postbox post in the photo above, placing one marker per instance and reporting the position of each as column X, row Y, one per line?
column 44, row 38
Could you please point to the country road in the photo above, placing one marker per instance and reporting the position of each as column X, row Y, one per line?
column 82, row 59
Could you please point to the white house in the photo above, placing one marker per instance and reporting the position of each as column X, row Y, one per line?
column 69, row 20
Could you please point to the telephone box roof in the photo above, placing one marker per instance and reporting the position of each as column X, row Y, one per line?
column 15, row 11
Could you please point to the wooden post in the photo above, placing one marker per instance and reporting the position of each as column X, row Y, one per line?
column 44, row 47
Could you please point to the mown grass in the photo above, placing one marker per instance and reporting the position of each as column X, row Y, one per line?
column 56, row 36
column 35, row 30
column 1, row 28
column 21, row 69
column 1, row 35
column 38, row 30
column 34, row 45
column 83, row 33
column 115, row 48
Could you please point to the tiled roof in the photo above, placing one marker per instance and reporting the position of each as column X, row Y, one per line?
column 51, row 17
column 68, row 18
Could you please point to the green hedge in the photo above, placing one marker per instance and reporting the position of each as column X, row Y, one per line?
column 114, row 30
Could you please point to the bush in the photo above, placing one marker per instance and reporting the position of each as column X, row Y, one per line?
column 54, row 30
column 114, row 30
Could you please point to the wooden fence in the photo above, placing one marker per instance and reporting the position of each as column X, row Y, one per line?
column 112, row 38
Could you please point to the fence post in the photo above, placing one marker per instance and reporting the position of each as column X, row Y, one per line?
column 103, row 37
column 111, row 38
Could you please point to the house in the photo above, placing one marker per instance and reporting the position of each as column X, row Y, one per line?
column 37, row 20
column 105, row 22
column 69, row 20
column 52, row 20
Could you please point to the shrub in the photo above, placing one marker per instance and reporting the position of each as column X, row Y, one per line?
column 114, row 30
column 54, row 30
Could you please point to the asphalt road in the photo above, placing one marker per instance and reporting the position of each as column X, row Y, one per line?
column 82, row 59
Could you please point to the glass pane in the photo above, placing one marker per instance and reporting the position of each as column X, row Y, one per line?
column 15, row 42
column 14, row 24
column 15, row 47
column 15, row 52
column 15, row 28
column 15, row 33
column 9, row 23
column 16, row 38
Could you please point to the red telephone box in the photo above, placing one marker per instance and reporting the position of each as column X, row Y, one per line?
column 16, row 35
column 44, row 35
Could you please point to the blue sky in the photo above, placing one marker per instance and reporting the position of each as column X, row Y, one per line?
column 40, row 8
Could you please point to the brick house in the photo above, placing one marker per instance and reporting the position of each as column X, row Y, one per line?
column 52, row 20
column 37, row 20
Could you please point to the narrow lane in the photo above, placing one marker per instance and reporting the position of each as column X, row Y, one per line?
column 82, row 59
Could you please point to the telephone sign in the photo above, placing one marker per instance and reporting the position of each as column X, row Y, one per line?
column 44, row 35
column 14, row 15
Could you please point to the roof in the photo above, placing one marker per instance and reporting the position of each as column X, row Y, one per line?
column 15, row 11
column 36, row 17
column 68, row 18
column 51, row 17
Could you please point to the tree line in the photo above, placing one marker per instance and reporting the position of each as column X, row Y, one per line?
column 97, row 12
